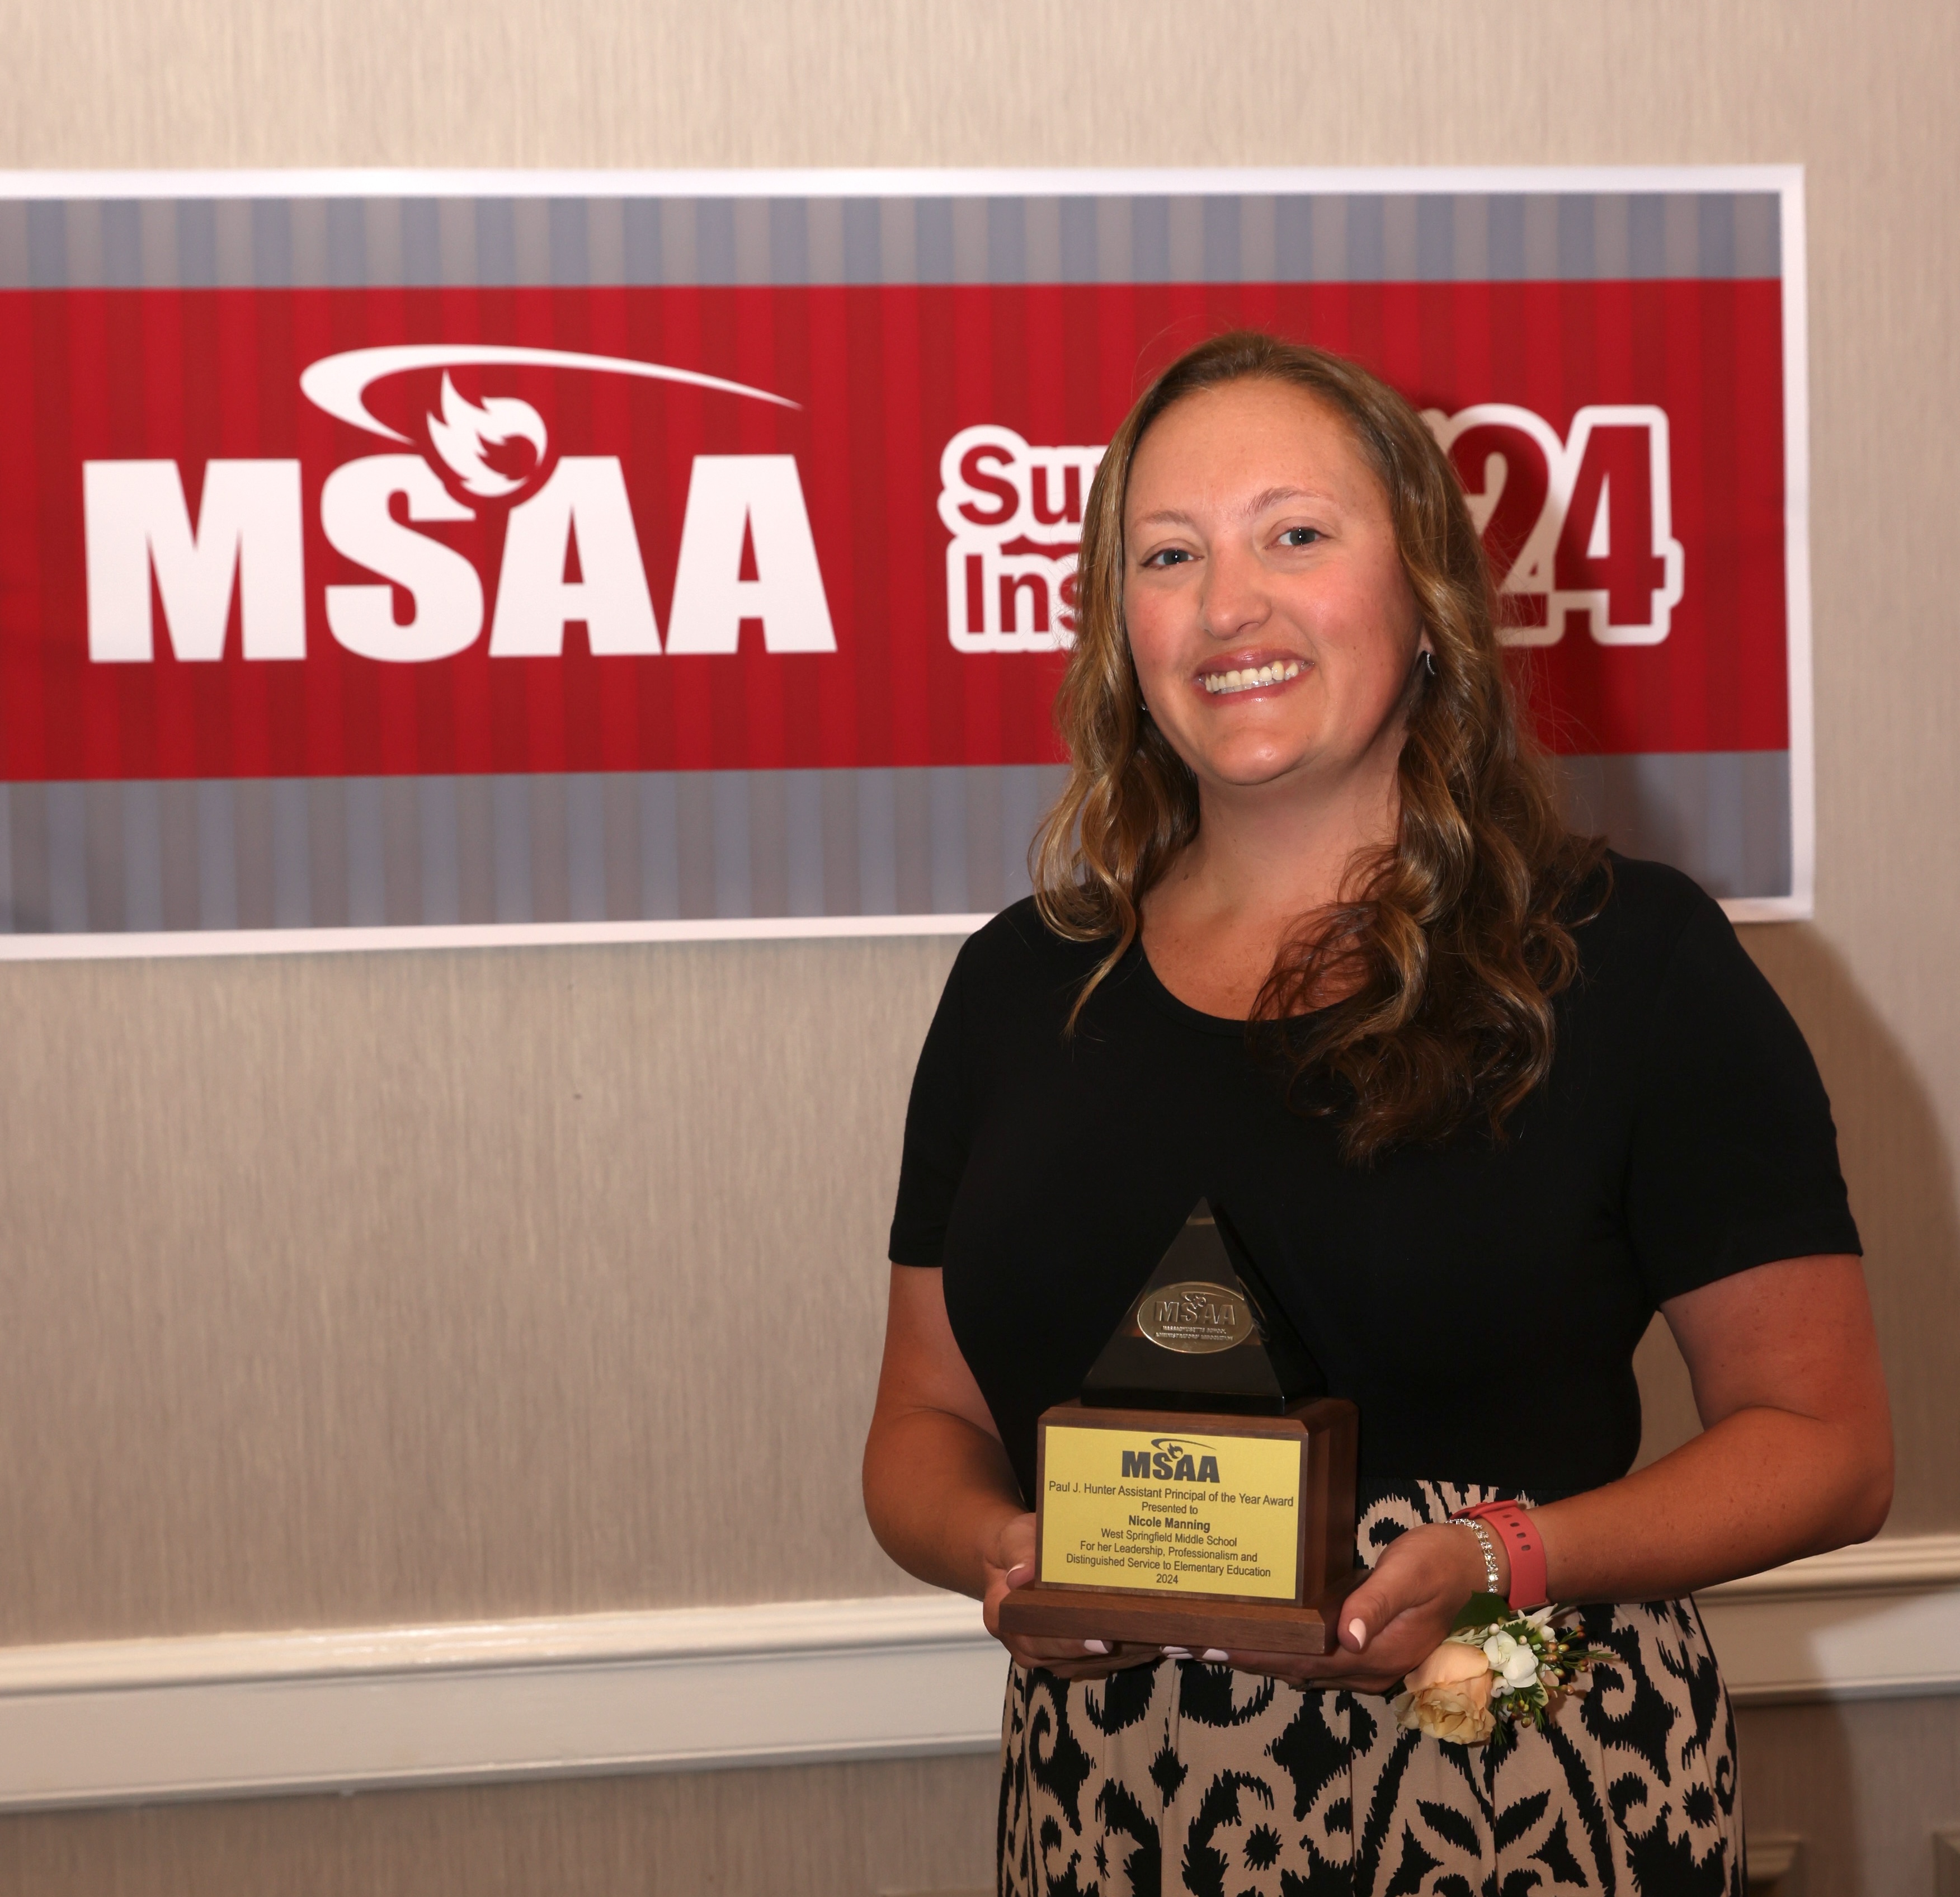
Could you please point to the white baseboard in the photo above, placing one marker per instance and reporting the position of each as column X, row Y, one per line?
column 696, row 1688
column 686, row 1690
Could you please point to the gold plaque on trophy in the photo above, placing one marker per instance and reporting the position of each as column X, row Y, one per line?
column 1201, row 1493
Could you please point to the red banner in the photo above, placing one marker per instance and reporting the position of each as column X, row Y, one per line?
column 811, row 526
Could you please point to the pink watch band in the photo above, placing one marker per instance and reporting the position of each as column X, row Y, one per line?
column 1514, row 1526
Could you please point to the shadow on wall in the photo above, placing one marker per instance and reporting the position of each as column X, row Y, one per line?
column 1901, row 1174
column 1897, row 1160
column 1825, row 1774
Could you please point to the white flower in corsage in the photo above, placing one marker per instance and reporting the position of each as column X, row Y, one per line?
column 1497, row 1665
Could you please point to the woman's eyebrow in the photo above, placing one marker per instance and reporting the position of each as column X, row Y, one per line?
column 1272, row 497
column 1258, row 504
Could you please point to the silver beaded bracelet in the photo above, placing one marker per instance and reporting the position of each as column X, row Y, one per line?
column 1490, row 1549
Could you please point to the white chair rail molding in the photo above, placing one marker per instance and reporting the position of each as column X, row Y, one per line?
column 692, row 1689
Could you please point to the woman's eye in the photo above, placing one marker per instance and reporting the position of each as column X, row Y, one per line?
column 1167, row 556
column 1300, row 536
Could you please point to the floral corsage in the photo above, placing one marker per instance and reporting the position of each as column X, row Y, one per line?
column 1497, row 1663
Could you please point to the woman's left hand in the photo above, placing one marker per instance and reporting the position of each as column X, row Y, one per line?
column 1403, row 1612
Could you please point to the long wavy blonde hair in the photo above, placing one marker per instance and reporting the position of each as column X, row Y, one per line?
column 1457, row 933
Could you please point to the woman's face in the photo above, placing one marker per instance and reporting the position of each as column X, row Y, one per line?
column 1273, row 629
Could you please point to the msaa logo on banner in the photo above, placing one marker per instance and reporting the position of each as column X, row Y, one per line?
column 1578, row 528
column 249, row 538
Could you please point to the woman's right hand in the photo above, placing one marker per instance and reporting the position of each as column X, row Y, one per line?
column 1009, row 1563
column 939, row 1489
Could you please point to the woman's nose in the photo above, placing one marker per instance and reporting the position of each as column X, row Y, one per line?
column 1233, row 598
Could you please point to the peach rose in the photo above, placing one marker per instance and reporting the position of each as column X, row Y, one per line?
column 1451, row 1663
column 1448, row 1695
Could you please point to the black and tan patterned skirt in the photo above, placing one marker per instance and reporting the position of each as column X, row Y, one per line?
column 1184, row 1777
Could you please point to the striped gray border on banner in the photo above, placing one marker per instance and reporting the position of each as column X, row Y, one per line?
column 1354, row 238
column 287, row 853
column 364, row 851
column 1722, row 816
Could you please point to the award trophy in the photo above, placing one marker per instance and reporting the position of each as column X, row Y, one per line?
column 1201, row 1491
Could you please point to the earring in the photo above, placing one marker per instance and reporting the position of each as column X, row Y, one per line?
column 1429, row 661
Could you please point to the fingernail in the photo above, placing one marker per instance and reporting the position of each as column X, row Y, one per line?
column 1359, row 1628
column 1021, row 1574
column 1095, row 1647
column 1175, row 1652
column 1214, row 1653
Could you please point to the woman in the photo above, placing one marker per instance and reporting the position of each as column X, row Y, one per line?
column 1309, row 940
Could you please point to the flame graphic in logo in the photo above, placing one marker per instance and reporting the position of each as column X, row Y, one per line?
column 339, row 383
column 465, row 429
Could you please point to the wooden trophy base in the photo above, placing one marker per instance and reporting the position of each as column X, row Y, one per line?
column 1151, row 1620
column 1267, row 1502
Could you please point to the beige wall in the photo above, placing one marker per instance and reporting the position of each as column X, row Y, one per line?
column 357, row 1287
column 354, row 1288
column 807, row 1831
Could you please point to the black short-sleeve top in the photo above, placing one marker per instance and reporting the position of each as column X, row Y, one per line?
column 1480, row 1301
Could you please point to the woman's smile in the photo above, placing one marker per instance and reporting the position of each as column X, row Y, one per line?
column 1258, row 672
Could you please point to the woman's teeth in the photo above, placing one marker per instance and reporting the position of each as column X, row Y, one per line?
column 1217, row 682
